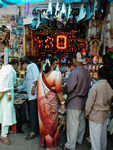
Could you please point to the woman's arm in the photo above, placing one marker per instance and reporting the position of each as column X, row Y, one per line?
column 62, row 102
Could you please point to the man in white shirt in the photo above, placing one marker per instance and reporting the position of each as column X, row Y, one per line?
column 30, row 84
column 7, row 111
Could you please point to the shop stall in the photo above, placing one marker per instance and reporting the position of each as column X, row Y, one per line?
column 58, row 28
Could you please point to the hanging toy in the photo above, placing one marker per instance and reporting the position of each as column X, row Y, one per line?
column 36, row 21
column 57, row 9
column 69, row 12
column 49, row 10
column 82, row 13
column 63, row 14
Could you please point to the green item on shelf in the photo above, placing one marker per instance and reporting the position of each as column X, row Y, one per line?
column 112, row 56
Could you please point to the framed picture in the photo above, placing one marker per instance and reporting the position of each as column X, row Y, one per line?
column 94, row 47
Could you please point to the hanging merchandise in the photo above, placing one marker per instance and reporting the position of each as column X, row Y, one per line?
column 95, row 29
column 20, row 31
column 90, row 10
column 111, row 33
column 106, row 35
column 82, row 13
column 49, row 10
column 93, row 64
column 19, row 19
column 62, row 17
column 16, row 34
column 33, row 25
column 57, row 9
column 43, row 19
column 69, row 16
column 12, row 41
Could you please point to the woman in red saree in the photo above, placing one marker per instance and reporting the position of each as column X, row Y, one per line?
column 49, row 93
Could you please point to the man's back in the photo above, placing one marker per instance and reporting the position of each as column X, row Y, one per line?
column 98, row 101
column 31, row 76
column 77, row 86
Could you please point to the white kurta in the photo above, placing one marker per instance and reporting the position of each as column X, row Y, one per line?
column 7, row 81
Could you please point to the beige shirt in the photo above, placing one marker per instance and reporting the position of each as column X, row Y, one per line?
column 98, row 102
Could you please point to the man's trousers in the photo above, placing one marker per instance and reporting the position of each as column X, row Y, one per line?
column 33, row 115
column 98, row 135
column 4, row 130
column 75, row 125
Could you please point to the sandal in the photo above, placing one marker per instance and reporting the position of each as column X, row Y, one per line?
column 31, row 136
column 5, row 140
column 65, row 148
column 12, row 132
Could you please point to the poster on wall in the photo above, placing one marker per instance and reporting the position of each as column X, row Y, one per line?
column 94, row 47
column 5, row 19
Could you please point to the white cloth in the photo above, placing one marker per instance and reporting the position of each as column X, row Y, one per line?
column 4, row 131
column 7, row 81
column 31, row 76
column 7, row 78
column 75, row 127
column 110, row 127
column 98, row 135
column 6, row 55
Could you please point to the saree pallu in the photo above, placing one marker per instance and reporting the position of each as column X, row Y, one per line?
column 48, row 114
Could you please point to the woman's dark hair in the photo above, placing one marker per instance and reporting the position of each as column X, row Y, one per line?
column 48, row 66
column 103, row 72
column 24, row 60
column 13, row 62
column 2, row 56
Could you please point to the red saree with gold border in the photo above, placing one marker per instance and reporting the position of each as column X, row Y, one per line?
column 48, row 113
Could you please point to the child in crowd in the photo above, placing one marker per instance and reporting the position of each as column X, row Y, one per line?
column 97, row 108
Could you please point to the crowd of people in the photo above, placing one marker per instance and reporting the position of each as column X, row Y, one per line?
column 45, row 95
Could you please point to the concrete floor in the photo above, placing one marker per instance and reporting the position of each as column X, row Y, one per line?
column 19, row 143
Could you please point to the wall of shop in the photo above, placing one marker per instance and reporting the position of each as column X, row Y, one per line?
column 111, row 22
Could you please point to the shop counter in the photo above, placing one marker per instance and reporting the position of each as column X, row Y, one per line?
column 21, row 109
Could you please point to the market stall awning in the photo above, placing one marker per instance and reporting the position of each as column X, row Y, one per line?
column 4, row 3
column 76, row 1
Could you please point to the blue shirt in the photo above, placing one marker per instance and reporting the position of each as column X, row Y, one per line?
column 31, row 76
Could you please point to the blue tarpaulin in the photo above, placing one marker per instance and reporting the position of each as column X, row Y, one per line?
column 75, row 1
column 4, row 3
